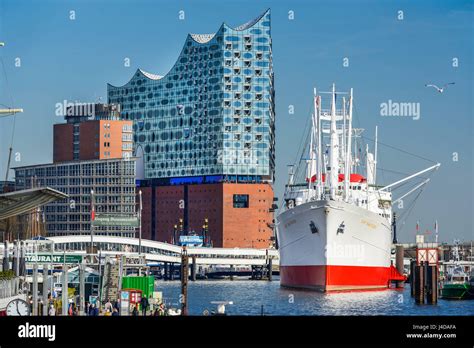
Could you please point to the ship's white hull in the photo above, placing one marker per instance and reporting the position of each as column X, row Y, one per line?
column 332, row 245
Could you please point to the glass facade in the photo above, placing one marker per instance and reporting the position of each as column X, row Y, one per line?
column 213, row 113
column 113, row 182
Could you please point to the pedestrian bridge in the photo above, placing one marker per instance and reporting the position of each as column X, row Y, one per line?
column 157, row 252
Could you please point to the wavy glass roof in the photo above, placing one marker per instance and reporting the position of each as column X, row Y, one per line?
column 201, row 39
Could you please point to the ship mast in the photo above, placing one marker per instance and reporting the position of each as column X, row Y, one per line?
column 348, row 159
column 334, row 149
column 319, row 179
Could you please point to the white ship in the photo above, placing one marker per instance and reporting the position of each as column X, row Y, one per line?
column 335, row 230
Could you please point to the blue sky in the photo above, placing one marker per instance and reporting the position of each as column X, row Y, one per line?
column 389, row 59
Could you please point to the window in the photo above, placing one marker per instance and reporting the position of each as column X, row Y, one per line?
column 259, row 56
column 237, row 54
column 241, row 201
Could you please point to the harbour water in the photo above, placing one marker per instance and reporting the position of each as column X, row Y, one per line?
column 248, row 297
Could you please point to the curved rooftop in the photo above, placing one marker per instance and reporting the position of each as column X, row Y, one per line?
column 150, row 75
column 200, row 39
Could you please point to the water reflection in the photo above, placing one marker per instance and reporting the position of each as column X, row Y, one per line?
column 251, row 297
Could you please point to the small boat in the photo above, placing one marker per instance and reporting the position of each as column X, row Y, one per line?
column 459, row 285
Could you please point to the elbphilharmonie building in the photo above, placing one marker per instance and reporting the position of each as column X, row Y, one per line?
column 207, row 123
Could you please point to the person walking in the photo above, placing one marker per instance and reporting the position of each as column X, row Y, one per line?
column 144, row 305
column 108, row 306
column 52, row 311
column 135, row 311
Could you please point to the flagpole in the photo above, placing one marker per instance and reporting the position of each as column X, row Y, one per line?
column 92, row 225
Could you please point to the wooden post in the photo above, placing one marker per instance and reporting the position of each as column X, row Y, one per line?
column 399, row 264
column 412, row 278
column 432, row 285
column 35, row 289
column 16, row 258
column 64, row 294
column 82, row 291
column 184, row 281
column 419, row 284
column 171, row 271
column 6, row 262
column 193, row 269
column 270, row 269
column 45, row 289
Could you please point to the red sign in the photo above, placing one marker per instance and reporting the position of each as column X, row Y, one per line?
column 429, row 255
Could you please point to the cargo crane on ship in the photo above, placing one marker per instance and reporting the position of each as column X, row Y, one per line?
column 335, row 230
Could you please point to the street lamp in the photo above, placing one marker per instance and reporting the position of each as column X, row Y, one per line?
column 140, row 225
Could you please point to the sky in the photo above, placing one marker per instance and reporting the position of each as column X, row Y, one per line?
column 70, row 50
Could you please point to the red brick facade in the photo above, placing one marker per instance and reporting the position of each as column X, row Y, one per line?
column 229, row 226
column 99, row 139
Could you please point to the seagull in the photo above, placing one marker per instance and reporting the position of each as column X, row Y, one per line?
column 440, row 90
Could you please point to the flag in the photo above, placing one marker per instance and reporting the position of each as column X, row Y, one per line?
column 92, row 206
column 436, row 226
column 417, row 226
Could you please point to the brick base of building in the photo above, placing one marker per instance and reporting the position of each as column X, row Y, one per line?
column 238, row 214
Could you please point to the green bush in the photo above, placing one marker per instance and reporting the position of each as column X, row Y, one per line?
column 5, row 275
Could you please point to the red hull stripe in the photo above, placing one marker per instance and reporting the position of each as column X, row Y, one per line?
column 335, row 277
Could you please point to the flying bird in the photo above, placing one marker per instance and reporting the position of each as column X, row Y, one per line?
column 440, row 90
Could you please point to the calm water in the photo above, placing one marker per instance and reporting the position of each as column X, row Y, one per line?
column 249, row 296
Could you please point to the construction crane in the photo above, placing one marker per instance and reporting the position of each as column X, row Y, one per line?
column 8, row 112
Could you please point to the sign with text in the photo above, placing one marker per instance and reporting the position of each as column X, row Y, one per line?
column 115, row 220
column 191, row 240
column 53, row 258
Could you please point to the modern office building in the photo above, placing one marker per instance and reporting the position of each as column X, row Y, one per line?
column 113, row 182
column 92, row 151
column 92, row 131
column 207, row 133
